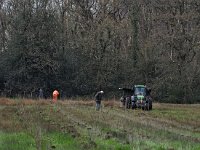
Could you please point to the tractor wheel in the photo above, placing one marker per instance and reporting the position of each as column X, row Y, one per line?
column 150, row 107
column 147, row 106
column 133, row 105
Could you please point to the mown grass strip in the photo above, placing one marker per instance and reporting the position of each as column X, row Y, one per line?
column 23, row 141
column 16, row 141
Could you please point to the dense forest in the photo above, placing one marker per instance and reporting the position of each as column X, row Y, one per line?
column 81, row 46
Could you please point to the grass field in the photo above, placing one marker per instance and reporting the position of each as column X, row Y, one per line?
column 74, row 125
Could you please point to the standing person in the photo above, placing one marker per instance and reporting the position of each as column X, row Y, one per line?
column 55, row 96
column 98, row 98
column 40, row 93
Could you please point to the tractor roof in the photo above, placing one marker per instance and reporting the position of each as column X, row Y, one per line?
column 142, row 86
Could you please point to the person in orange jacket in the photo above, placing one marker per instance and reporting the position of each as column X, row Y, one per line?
column 55, row 96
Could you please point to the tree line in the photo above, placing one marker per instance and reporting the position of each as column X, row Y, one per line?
column 81, row 46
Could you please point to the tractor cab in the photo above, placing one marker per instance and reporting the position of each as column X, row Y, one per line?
column 141, row 90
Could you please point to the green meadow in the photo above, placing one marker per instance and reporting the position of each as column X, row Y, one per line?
column 74, row 125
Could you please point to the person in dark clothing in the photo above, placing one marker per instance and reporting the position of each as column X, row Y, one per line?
column 98, row 98
column 40, row 93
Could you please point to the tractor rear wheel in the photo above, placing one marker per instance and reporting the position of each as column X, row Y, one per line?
column 150, row 107
column 147, row 107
